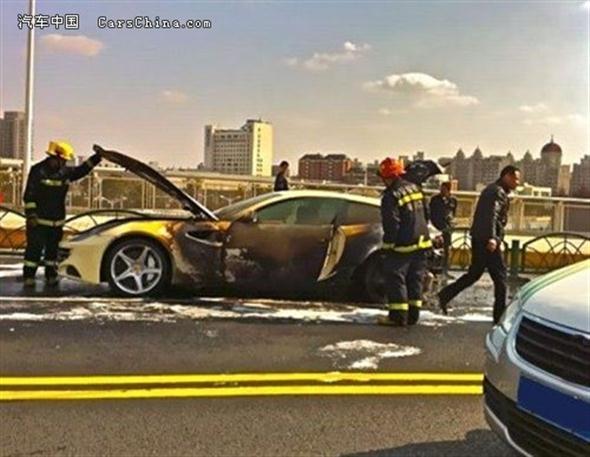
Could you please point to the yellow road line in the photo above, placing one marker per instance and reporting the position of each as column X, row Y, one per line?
column 258, row 391
column 330, row 377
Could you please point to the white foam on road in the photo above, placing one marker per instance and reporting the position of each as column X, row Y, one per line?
column 476, row 317
column 11, row 266
column 364, row 354
column 11, row 270
column 131, row 310
column 10, row 273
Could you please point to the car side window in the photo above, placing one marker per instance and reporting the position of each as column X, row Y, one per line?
column 361, row 213
column 302, row 211
column 282, row 212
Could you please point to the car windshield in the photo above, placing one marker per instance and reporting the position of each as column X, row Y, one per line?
column 230, row 212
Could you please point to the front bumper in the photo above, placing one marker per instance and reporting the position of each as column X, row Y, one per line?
column 82, row 260
column 523, row 431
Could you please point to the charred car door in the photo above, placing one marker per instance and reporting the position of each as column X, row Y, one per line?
column 287, row 245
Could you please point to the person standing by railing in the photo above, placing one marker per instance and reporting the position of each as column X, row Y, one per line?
column 281, row 182
column 443, row 208
column 487, row 234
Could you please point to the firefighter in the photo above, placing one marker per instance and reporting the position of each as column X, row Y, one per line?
column 45, row 208
column 406, row 242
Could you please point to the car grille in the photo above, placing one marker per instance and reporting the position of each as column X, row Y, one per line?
column 563, row 354
column 532, row 434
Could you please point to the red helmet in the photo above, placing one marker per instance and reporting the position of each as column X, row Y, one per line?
column 391, row 168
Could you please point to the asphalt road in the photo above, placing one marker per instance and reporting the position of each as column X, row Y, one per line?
column 88, row 335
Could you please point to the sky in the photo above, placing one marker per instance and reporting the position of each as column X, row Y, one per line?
column 369, row 79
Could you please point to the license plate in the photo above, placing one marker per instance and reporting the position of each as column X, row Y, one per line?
column 564, row 411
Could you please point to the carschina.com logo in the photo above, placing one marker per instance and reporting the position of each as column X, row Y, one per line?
column 146, row 22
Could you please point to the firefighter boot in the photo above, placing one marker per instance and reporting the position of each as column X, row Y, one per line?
column 414, row 312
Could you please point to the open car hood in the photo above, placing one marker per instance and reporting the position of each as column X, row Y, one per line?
column 161, row 182
column 420, row 170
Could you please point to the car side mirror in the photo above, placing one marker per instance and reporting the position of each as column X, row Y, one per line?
column 249, row 218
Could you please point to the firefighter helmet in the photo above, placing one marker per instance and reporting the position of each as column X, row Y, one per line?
column 61, row 149
column 391, row 168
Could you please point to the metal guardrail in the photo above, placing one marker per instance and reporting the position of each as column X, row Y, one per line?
column 460, row 249
column 541, row 254
column 13, row 238
column 92, row 215
column 552, row 251
column 537, row 255
column 114, row 188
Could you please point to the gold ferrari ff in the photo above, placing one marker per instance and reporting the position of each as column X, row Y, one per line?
column 276, row 244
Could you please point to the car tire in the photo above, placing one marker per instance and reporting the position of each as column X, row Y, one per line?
column 372, row 280
column 137, row 267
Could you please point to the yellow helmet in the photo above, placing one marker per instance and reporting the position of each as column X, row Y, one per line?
column 61, row 149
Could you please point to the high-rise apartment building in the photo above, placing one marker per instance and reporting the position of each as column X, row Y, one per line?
column 244, row 151
column 580, row 183
column 13, row 135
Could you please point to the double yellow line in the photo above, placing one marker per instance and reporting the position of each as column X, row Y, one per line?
column 236, row 385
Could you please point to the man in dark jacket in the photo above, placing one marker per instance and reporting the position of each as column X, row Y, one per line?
column 45, row 208
column 281, row 182
column 487, row 233
column 405, row 242
column 443, row 207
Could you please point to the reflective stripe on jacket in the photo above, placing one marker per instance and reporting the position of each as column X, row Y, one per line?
column 403, row 214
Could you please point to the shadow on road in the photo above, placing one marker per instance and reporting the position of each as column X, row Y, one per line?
column 482, row 443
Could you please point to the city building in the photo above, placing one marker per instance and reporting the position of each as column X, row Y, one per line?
column 533, row 191
column 13, row 135
column 564, row 180
column 580, row 183
column 474, row 171
column 549, row 166
column 244, row 151
column 547, row 171
column 332, row 167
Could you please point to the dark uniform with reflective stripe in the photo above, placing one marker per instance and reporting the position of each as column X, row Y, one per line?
column 406, row 241
column 45, row 208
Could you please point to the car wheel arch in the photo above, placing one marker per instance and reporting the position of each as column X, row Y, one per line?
column 358, row 277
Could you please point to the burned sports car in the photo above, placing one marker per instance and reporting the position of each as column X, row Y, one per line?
column 276, row 244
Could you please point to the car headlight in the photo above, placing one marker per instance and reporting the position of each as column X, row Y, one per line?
column 510, row 314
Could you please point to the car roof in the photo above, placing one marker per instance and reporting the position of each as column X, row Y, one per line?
column 286, row 195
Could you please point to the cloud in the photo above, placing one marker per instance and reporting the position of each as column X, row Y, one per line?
column 321, row 61
column 538, row 108
column 427, row 91
column 575, row 119
column 578, row 119
column 542, row 114
column 291, row 61
column 175, row 97
column 384, row 112
column 71, row 44
column 546, row 120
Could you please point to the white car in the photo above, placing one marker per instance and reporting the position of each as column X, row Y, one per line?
column 537, row 371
